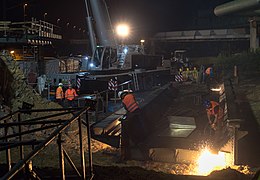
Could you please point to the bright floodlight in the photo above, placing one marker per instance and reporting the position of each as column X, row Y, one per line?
column 122, row 30
column 91, row 65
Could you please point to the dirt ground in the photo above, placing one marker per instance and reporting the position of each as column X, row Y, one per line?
column 107, row 165
column 138, row 173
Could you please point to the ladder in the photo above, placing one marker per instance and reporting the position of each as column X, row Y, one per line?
column 135, row 81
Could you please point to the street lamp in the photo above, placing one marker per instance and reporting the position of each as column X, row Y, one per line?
column 58, row 20
column 24, row 12
column 142, row 42
column 44, row 16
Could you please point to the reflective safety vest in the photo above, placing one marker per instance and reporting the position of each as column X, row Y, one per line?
column 195, row 74
column 185, row 75
column 130, row 103
column 70, row 94
column 219, row 113
column 59, row 93
column 212, row 110
column 208, row 70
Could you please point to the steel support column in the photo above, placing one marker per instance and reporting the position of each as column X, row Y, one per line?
column 61, row 158
column 89, row 148
column 20, row 137
column 8, row 151
column 82, row 157
column 254, row 40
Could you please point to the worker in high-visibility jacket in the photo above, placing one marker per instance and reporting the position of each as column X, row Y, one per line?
column 215, row 114
column 209, row 71
column 70, row 96
column 129, row 101
column 60, row 94
column 133, row 126
column 195, row 74
column 209, row 76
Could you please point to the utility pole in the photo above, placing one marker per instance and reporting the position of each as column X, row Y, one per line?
column 24, row 12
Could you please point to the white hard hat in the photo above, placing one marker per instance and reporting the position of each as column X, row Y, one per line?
column 60, row 84
column 120, row 93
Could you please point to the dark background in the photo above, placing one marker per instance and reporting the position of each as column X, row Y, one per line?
column 145, row 17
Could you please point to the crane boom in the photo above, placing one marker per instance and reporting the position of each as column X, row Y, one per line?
column 103, row 25
column 107, row 54
column 92, row 36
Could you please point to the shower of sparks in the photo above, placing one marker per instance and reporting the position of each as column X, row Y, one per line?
column 208, row 162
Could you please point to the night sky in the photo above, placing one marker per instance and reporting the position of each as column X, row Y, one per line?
column 142, row 15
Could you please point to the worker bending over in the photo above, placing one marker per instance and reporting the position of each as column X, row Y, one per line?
column 133, row 127
column 214, row 114
column 129, row 102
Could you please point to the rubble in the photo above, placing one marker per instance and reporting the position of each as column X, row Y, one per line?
column 19, row 91
column 15, row 92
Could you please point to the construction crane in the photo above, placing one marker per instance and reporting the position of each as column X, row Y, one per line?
column 110, row 59
column 107, row 53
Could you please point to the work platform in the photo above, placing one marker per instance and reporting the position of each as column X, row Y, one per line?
column 34, row 32
column 158, row 123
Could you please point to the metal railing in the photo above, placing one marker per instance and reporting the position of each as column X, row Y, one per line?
column 102, row 98
column 15, row 120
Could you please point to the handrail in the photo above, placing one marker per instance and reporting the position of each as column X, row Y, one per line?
column 8, row 116
column 105, row 95
column 36, row 110
column 42, row 144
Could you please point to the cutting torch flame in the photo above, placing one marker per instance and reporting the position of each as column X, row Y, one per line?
column 208, row 162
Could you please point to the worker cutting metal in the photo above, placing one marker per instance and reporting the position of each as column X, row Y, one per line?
column 214, row 114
